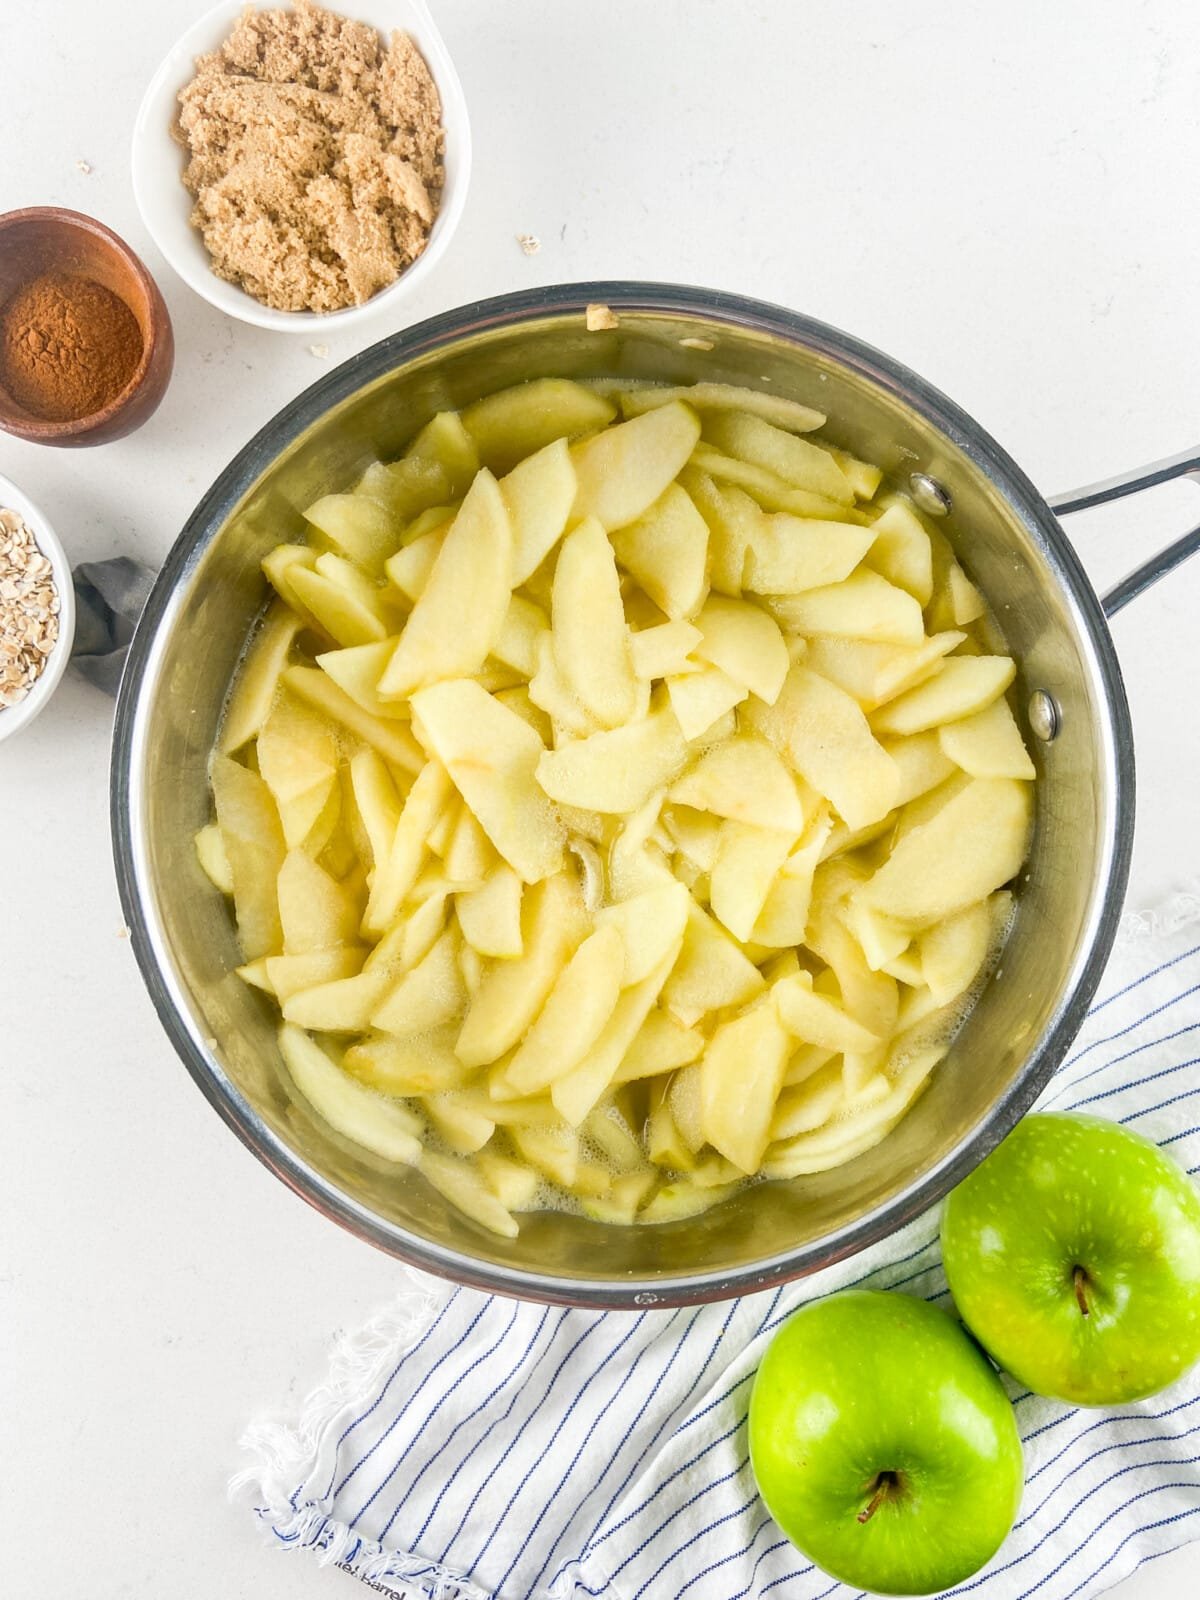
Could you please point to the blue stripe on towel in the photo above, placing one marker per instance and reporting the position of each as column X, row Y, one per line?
column 518, row 1452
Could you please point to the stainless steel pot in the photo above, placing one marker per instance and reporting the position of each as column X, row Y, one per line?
column 210, row 590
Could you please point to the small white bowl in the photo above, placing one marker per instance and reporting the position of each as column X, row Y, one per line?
column 14, row 718
column 166, row 205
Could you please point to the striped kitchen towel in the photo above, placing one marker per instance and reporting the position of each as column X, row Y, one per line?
column 474, row 1448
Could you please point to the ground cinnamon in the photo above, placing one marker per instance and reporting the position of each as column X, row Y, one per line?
column 68, row 346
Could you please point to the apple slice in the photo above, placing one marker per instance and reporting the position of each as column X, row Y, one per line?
column 874, row 673
column 553, row 922
column 258, row 677
column 517, row 645
column 514, row 423
column 462, row 1126
column 660, row 1045
column 404, row 488
column 740, row 1076
column 577, row 1093
column 666, row 551
column 901, row 551
column 277, row 566
column 382, row 1126
column 590, row 637
column 826, row 738
column 711, row 972
column 786, row 554
column 921, row 762
column 429, row 995
column 650, row 924
column 461, row 611
column 966, row 602
column 356, row 669
column 310, row 817
column 466, row 1191
column 362, row 528
column 862, row 476
column 513, row 1184
column 783, row 919
column 748, row 862
column 552, row 1150
column 210, row 851
column 389, row 736
column 519, row 701
column 348, row 613
column 987, row 744
column 962, row 686
column 254, row 849
column 490, row 916
column 538, row 494
column 816, row 1019
column 296, row 748
column 700, row 699
column 745, row 779
column 396, row 873
column 407, row 1064
column 972, row 845
column 665, row 1144
column 576, row 1010
column 316, row 912
column 732, row 518
column 662, row 651
column 745, row 642
column 624, row 469
column 797, row 461
column 863, row 606
column 615, row 770
column 771, row 492
column 550, row 693
column 880, row 939
column 409, row 569
column 341, row 1005
column 704, row 397
column 287, row 975
column 446, row 442
column 377, row 802
column 492, row 756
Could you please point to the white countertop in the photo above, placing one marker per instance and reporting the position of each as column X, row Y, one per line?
column 1001, row 196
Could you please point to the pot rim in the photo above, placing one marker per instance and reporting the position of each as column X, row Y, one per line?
column 565, row 300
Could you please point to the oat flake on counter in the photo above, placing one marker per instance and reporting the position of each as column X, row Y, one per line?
column 29, row 607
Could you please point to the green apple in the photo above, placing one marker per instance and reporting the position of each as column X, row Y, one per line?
column 1073, row 1254
column 883, row 1443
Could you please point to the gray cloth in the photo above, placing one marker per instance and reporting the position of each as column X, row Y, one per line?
column 109, row 596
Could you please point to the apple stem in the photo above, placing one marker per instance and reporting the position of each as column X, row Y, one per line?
column 1081, row 1281
column 884, row 1484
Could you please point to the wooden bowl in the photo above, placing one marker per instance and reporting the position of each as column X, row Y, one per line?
column 49, row 239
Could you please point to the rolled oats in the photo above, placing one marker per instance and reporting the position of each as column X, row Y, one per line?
column 29, row 608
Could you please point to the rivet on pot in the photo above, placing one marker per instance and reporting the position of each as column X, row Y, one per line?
column 1044, row 716
column 932, row 497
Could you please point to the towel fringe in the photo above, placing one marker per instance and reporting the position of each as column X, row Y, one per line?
column 285, row 1452
column 1181, row 911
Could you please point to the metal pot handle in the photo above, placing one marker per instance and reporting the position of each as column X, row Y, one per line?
column 1184, row 465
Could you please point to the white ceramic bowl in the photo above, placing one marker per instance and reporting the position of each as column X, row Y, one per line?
column 14, row 718
column 166, row 205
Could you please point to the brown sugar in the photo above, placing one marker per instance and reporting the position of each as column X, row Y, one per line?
column 68, row 346
column 315, row 157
